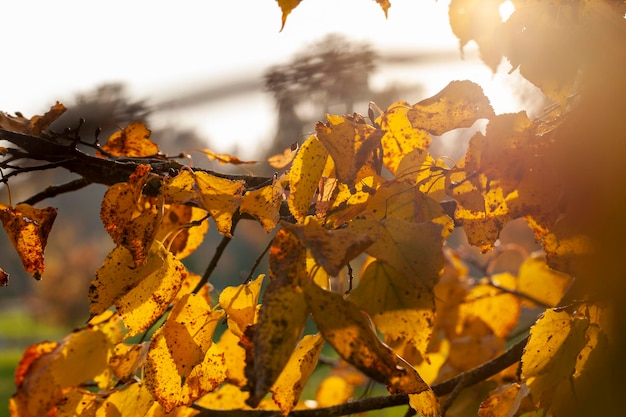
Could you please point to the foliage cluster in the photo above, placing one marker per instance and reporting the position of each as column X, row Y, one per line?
column 412, row 318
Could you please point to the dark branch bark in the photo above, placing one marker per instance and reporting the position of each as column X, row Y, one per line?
column 464, row 380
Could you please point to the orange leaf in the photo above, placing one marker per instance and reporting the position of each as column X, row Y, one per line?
column 223, row 158
column 287, row 6
column 281, row 160
column 40, row 124
column 28, row 229
column 132, row 141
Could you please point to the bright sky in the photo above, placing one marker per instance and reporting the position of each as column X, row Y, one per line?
column 53, row 49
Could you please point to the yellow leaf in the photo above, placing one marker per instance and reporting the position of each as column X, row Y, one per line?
column 287, row 6
column 223, row 158
column 425, row 403
column 503, row 400
column 412, row 249
column 182, row 229
column 264, row 204
column 541, row 282
column 351, row 144
column 332, row 249
column 304, row 176
column 556, row 341
column 78, row 402
column 347, row 329
column 183, row 362
column 281, row 321
column 135, row 400
column 287, row 259
column 281, row 160
column 118, row 282
column 240, row 304
column 28, row 228
column 44, row 378
column 235, row 357
column 227, row 397
column 132, row 141
column 291, row 381
column 219, row 196
column 333, row 390
column 126, row 360
column 403, row 310
column 422, row 170
column 498, row 310
column 401, row 136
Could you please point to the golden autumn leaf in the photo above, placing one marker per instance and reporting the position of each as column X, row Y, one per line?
column 78, row 402
column 458, row 105
column 126, row 359
column 219, row 196
column 541, row 282
column 287, row 259
column 264, row 204
column 182, row 229
column 402, row 309
column 348, row 330
column 281, row 160
column 36, row 125
column 478, row 20
column 281, row 321
column 133, row 141
column 287, row 6
column 47, row 371
column 183, row 362
column 304, row 176
column 291, row 381
column 333, row 390
column 240, row 304
column 556, row 341
column 503, row 400
column 400, row 137
column 332, row 249
column 351, row 144
column 134, row 400
column 425, row 403
column 223, row 158
column 118, row 282
column 412, row 249
column 235, row 357
column 28, row 229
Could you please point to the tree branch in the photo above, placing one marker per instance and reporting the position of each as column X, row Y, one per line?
column 55, row 190
column 461, row 381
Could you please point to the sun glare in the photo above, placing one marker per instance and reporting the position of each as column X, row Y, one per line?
column 506, row 10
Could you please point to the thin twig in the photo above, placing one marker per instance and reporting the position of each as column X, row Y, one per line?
column 258, row 261
column 55, row 190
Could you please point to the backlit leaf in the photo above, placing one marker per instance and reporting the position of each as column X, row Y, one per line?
column 291, row 381
column 503, row 400
column 78, row 402
column 425, row 403
column 264, row 204
column 347, row 329
column 36, row 125
column 333, row 390
column 412, row 249
column 118, row 282
column 126, row 360
column 219, row 196
column 332, row 249
column 240, row 304
column 304, row 176
column 458, row 105
column 541, row 282
column 281, row 160
column 28, row 228
column 132, row 141
column 223, row 158
column 401, row 137
column 135, row 400
column 556, row 340
column 183, row 362
column 402, row 309
column 351, row 143
column 235, row 357
column 281, row 321
column 43, row 379
column 182, row 229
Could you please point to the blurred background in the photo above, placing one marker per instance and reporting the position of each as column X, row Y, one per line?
column 216, row 75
